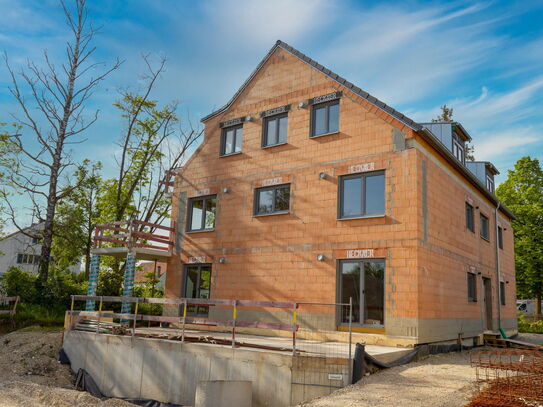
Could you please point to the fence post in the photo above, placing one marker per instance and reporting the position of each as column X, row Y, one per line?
column 93, row 281
column 350, row 339
column 234, row 316
column 184, row 317
column 14, row 310
column 135, row 317
column 294, row 329
column 99, row 315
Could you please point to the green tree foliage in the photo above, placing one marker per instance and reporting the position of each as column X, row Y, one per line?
column 16, row 282
column 446, row 116
column 76, row 217
column 522, row 192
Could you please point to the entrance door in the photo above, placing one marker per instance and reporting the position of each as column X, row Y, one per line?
column 197, row 285
column 364, row 282
column 487, row 299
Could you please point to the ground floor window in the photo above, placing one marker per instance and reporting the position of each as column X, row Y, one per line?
column 364, row 282
column 197, row 285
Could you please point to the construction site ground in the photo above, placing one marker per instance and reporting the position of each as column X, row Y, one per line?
column 30, row 375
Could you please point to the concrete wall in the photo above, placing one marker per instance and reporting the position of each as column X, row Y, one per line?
column 169, row 371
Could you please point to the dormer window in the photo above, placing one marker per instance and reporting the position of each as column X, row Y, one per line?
column 490, row 183
column 458, row 150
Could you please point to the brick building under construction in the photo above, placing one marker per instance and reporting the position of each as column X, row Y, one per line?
column 308, row 189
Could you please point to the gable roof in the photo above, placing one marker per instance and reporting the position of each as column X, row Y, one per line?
column 342, row 81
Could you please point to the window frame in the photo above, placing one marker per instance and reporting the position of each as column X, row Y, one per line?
column 500, row 237
column 224, row 130
column 474, row 276
column 470, row 220
column 200, row 266
column 339, row 290
column 256, row 199
column 190, row 202
column 502, row 293
column 459, row 146
column 327, row 105
column 489, row 183
column 485, row 236
column 275, row 117
column 362, row 175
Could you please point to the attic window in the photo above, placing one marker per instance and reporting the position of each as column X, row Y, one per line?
column 231, row 139
column 325, row 114
column 458, row 150
column 489, row 183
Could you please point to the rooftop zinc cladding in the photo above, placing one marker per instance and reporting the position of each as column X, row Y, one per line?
column 417, row 127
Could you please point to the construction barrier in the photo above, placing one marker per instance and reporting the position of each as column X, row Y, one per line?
column 5, row 301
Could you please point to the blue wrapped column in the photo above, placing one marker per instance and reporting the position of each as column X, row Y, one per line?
column 93, row 281
column 128, row 285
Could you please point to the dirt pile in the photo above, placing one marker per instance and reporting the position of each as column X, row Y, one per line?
column 30, row 374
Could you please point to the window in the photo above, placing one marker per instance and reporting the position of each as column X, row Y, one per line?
column 362, row 195
column 500, row 237
column 201, row 215
column 502, row 292
column 484, row 227
column 275, row 130
column 36, row 240
column 472, row 287
column 458, row 150
column 470, row 218
column 364, row 282
column 197, row 285
column 271, row 200
column 325, row 118
column 490, row 183
column 231, row 138
column 23, row 258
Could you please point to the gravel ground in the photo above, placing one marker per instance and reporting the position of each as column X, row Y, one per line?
column 30, row 375
column 444, row 380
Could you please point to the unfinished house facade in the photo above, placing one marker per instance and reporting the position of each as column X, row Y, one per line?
column 308, row 189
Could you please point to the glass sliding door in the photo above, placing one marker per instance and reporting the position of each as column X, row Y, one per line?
column 197, row 285
column 364, row 282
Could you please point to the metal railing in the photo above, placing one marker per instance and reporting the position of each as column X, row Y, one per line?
column 185, row 320
column 5, row 301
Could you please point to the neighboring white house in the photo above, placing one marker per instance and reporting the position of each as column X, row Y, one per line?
column 23, row 251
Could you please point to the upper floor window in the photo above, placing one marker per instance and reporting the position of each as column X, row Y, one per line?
column 362, row 195
column 36, row 240
column 201, row 213
column 458, row 150
column 325, row 118
column 500, row 237
column 484, row 227
column 489, row 183
column 231, row 138
column 470, row 218
column 275, row 130
column 270, row 200
column 472, row 287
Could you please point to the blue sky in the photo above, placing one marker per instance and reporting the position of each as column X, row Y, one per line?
column 484, row 59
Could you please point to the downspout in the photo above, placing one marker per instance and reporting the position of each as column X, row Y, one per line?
column 498, row 274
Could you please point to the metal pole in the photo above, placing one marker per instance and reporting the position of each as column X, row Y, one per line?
column 498, row 271
column 350, row 338
column 294, row 329
column 99, row 315
column 135, row 317
column 184, row 317
column 234, row 316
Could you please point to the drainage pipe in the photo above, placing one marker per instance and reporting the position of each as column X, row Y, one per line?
column 498, row 273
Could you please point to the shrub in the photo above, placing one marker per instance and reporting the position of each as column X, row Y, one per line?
column 527, row 326
column 59, row 288
column 17, row 282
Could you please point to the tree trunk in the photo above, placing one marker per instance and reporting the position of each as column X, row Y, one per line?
column 538, row 303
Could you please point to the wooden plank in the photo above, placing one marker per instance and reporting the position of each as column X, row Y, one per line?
column 153, row 225
column 267, row 304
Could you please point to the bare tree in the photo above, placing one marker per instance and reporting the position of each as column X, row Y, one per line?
column 53, row 118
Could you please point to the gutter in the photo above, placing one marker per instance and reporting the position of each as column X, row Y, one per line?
column 498, row 273
column 436, row 144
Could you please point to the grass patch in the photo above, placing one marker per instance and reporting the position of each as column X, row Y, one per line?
column 32, row 315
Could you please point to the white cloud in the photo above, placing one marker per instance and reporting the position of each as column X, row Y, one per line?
column 511, row 141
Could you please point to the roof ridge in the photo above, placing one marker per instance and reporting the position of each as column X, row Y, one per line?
column 332, row 75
